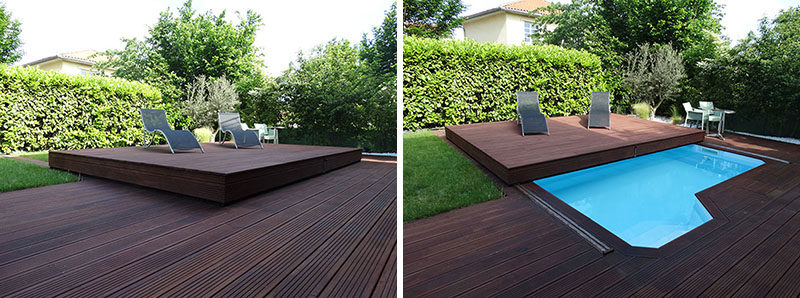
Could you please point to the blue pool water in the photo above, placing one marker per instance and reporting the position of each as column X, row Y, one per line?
column 649, row 200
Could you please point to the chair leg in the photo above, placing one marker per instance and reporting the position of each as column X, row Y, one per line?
column 148, row 144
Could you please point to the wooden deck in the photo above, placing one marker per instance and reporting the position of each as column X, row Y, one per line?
column 512, row 247
column 331, row 235
column 500, row 147
column 222, row 174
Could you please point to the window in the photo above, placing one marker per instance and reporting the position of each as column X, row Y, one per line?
column 530, row 29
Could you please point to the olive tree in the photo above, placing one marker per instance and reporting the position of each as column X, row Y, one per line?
column 208, row 96
column 654, row 74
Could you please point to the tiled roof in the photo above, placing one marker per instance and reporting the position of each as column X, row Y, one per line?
column 523, row 7
column 526, row 5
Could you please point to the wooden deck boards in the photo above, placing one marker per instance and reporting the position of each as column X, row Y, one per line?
column 753, row 254
column 222, row 174
column 514, row 158
column 333, row 233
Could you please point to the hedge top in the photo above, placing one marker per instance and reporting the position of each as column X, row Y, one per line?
column 33, row 78
column 469, row 50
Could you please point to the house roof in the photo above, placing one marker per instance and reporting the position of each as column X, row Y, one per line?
column 87, row 57
column 523, row 7
column 526, row 5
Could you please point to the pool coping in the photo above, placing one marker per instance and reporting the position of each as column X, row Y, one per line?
column 607, row 238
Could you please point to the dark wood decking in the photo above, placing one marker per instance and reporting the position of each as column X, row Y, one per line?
column 511, row 247
column 331, row 235
column 222, row 174
column 514, row 158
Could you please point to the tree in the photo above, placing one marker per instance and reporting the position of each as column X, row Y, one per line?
column 759, row 78
column 380, row 56
column 186, row 45
column 326, row 93
column 617, row 27
column 207, row 97
column 654, row 74
column 431, row 18
column 10, row 42
column 380, row 53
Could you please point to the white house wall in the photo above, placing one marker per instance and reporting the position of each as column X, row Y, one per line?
column 515, row 28
column 490, row 28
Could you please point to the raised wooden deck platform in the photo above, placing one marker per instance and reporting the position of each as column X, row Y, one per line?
column 500, row 147
column 512, row 247
column 222, row 174
column 330, row 235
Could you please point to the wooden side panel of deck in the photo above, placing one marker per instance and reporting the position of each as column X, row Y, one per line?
column 333, row 234
column 514, row 158
column 222, row 174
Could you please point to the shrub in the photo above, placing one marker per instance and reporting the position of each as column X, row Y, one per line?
column 453, row 82
column 49, row 111
column 204, row 134
column 641, row 109
column 676, row 115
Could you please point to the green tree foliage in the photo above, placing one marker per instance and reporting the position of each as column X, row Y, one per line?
column 431, row 18
column 654, row 74
column 338, row 94
column 46, row 110
column 207, row 97
column 611, row 29
column 10, row 42
column 186, row 45
column 263, row 104
column 759, row 78
column 448, row 82
column 327, row 93
column 380, row 52
column 619, row 26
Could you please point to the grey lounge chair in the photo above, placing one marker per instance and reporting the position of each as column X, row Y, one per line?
column 599, row 111
column 230, row 123
column 155, row 120
column 529, row 114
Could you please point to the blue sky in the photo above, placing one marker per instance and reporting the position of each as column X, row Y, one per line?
column 51, row 27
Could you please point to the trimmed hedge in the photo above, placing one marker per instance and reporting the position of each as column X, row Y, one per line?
column 45, row 110
column 448, row 82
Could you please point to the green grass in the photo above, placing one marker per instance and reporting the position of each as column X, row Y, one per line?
column 41, row 155
column 437, row 178
column 16, row 174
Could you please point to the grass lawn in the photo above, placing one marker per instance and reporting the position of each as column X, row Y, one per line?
column 16, row 174
column 437, row 178
column 41, row 155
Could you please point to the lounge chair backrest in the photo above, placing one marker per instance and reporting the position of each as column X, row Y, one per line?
column 153, row 119
column 230, row 121
column 599, row 102
column 528, row 101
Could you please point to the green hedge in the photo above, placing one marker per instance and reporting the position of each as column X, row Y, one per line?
column 448, row 82
column 45, row 110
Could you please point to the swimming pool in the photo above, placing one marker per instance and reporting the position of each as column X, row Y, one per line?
column 649, row 200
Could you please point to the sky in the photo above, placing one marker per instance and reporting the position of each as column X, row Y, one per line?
column 52, row 27
column 740, row 16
